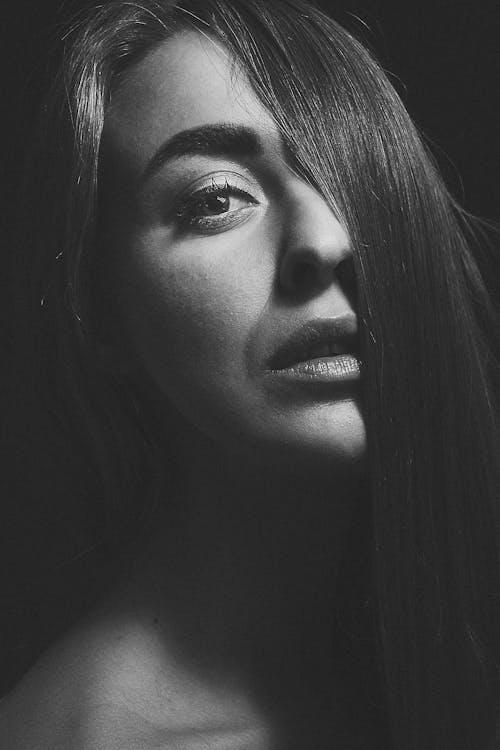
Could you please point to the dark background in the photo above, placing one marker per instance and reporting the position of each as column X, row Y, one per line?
column 443, row 58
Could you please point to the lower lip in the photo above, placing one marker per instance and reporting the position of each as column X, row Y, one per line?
column 342, row 368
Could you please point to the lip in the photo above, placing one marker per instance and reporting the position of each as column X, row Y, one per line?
column 309, row 355
column 300, row 345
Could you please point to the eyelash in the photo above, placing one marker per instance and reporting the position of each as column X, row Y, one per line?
column 187, row 218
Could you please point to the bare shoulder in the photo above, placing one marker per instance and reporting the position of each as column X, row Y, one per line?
column 100, row 689
column 112, row 728
column 49, row 707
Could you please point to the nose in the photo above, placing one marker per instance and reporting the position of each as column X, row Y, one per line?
column 314, row 243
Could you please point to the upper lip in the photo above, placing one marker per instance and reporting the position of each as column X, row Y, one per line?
column 313, row 335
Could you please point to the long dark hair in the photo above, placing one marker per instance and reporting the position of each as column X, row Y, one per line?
column 429, row 331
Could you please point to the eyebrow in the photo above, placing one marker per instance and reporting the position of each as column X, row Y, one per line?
column 218, row 139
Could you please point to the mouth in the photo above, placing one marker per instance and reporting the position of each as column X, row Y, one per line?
column 321, row 351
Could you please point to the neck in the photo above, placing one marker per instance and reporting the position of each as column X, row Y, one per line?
column 241, row 573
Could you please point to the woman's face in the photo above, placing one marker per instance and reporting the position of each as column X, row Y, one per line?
column 225, row 264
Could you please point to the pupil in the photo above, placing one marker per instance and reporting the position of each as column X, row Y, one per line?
column 217, row 203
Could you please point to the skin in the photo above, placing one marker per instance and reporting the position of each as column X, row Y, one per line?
column 224, row 625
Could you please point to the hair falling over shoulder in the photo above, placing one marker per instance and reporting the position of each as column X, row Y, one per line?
column 429, row 331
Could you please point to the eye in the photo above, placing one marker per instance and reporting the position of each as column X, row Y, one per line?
column 214, row 207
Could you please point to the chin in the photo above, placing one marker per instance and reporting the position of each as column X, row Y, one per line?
column 336, row 435
column 330, row 435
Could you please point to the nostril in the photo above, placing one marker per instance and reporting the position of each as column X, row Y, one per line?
column 346, row 274
column 303, row 274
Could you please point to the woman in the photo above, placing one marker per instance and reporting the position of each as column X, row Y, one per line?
column 258, row 315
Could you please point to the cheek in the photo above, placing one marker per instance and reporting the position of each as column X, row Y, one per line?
column 189, row 317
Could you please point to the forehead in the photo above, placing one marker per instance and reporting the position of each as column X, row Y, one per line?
column 188, row 81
